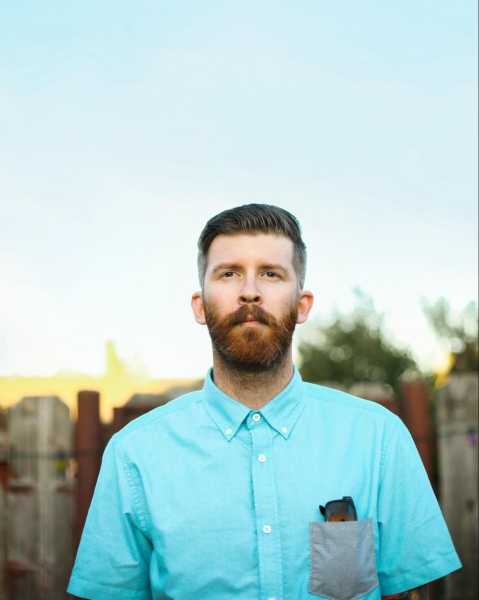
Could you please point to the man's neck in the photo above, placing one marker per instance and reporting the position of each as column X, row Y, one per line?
column 252, row 389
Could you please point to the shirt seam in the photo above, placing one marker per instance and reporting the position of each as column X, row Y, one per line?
column 385, row 446
column 135, row 493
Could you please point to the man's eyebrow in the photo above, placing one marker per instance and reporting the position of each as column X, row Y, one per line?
column 274, row 267
column 229, row 266
column 236, row 267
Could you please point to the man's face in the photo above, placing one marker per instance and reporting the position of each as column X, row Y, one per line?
column 251, row 301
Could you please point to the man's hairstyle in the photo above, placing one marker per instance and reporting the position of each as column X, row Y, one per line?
column 253, row 218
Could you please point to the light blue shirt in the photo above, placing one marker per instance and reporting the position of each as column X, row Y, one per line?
column 205, row 499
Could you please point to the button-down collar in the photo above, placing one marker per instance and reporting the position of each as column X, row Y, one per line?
column 281, row 412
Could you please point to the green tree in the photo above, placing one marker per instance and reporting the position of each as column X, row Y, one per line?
column 353, row 348
column 459, row 332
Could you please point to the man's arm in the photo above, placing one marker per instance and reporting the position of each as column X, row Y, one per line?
column 115, row 549
column 419, row 593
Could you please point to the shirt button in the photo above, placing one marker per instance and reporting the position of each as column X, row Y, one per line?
column 267, row 529
column 261, row 458
column 284, row 429
column 228, row 431
column 272, row 598
column 256, row 417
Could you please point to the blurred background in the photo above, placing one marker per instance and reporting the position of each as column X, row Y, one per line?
column 125, row 126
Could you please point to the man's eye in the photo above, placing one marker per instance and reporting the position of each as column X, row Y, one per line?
column 228, row 274
column 271, row 274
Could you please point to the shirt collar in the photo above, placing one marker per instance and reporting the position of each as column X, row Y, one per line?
column 281, row 412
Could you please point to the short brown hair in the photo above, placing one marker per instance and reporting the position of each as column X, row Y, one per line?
column 254, row 218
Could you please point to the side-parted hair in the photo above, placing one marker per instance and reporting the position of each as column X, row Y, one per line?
column 253, row 218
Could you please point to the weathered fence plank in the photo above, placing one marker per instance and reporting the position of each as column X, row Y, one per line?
column 457, row 437
column 39, row 499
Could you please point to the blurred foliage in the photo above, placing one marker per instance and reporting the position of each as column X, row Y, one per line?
column 459, row 332
column 354, row 348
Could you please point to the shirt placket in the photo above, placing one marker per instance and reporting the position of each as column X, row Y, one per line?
column 266, row 509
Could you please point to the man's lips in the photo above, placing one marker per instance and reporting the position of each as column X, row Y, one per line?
column 246, row 317
column 250, row 320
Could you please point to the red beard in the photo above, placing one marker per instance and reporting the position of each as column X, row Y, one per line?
column 251, row 348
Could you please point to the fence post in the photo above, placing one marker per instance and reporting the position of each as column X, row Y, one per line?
column 39, row 501
column 3, row 504
column 88, row 440
column 457, row 435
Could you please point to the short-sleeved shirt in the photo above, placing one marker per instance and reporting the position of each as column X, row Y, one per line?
column 206, row 498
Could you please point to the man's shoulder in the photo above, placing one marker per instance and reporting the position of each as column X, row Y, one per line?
column 176, row 409
column 338, row 400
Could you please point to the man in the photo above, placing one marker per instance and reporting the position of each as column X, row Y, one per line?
column 217, row 495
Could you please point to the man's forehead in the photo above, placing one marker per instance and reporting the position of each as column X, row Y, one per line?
column 258, row 247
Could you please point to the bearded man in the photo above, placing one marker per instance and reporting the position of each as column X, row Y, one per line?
column 260, row 486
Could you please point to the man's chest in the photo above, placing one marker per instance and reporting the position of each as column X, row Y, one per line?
column 239, row 513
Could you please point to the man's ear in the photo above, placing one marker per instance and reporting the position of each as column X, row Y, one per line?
column 305, row 304
column 198, row 308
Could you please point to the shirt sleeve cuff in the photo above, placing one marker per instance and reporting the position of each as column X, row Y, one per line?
column 98, row 591
column 410, row 580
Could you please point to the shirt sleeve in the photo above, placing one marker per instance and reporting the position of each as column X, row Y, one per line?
column 414, row 543
column 114, row 552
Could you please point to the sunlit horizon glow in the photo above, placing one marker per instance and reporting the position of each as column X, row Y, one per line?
column 115, row 385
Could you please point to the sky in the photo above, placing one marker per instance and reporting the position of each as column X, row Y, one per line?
column 125, row 126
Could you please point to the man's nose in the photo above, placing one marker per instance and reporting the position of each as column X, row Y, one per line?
column 249, row 292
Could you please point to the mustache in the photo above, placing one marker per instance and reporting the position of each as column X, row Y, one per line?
column 247, row 312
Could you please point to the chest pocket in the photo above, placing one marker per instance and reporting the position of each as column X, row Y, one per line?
column 343, row 559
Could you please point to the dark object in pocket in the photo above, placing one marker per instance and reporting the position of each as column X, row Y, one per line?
column 339, row 510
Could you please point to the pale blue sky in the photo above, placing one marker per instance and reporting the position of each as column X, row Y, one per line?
column 124, row 126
